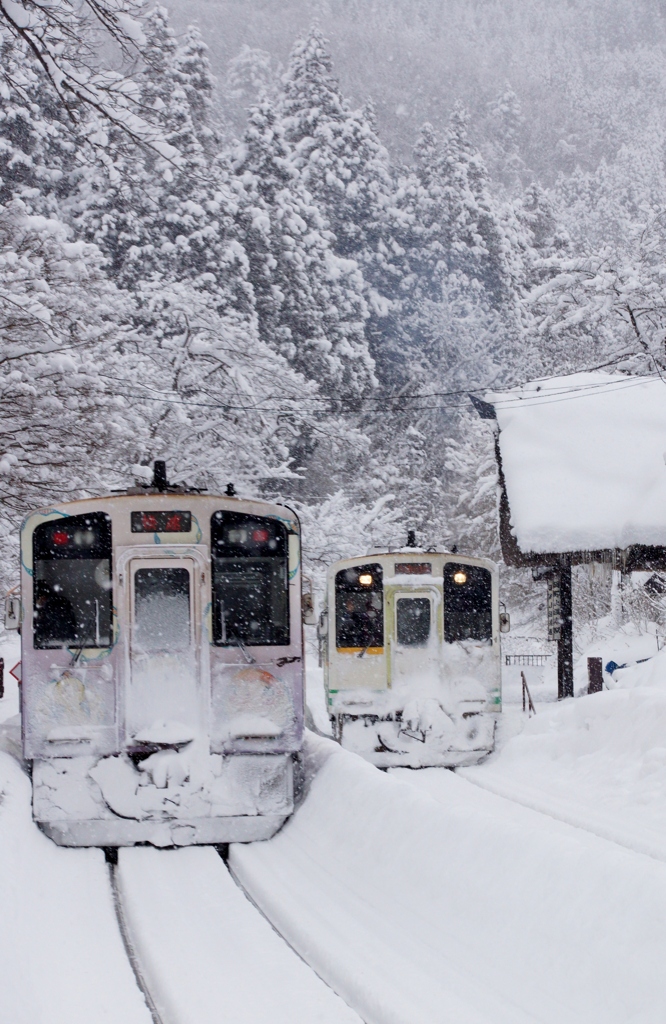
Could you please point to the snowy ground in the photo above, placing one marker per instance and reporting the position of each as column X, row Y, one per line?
column 62, row 956
column 416, row 896
column 468, row 907
column 206, row 954
column 598, row 762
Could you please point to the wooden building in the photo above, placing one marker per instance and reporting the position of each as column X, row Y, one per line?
column 582, row 479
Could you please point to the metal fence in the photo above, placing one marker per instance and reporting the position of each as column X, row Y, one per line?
column 537, row 660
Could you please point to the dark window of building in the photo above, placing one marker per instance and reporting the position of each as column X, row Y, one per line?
column 412, row 620
column 359, row 607
column 250, row 580
column 72, row 584
column 468, row 608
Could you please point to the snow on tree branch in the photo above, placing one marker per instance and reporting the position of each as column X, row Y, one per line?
column 59, row 36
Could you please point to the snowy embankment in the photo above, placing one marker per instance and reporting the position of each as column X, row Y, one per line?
column 597, row 762
column 61, row 954
column 206, row 955
column 468, row 908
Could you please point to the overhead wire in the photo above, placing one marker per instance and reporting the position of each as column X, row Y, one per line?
column 507, row 400
column 533, row 398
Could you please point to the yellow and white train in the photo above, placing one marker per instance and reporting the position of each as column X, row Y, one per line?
column 411, row 651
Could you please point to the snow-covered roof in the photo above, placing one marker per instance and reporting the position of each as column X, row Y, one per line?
column 584, row 459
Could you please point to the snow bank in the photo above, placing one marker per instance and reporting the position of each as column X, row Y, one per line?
column 469, row 908
column 583, row 459
column 61, row 954
column 630, row 645
column 315, row 692
column 646, row 671
column 206, row 953
column 598, row 761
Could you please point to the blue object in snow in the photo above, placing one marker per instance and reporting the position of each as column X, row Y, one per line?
column 612, row 665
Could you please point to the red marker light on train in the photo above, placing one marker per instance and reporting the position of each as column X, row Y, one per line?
column 260, row 536
column 174, row 524
column 60, row 537
column 149, row 522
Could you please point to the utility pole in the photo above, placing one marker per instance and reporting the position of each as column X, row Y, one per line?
column 560, row 620
column 565, row 680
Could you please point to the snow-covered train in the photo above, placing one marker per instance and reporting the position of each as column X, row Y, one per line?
column 162, row 666
column 410, row 646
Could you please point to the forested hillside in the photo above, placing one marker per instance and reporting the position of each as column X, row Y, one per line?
column 273, row 300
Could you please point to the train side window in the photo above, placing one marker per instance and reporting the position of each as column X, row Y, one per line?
column 72, row 583
column 359, row 607
column 468, row 608
column 250, row 580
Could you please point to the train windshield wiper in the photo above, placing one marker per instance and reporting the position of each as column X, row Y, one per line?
column 246, row 654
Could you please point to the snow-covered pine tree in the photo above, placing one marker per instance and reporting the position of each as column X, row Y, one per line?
column 217, row 400
column 39, row 144
column 309, row 302
column 602, row 296
column 471, row 230
column 346, row 169
column 194, row 75
column 336, row 149
column 506, row 123
column 309, row 299
column 69, row 46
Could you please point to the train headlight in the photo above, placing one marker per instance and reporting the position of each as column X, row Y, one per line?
column 365, row 579
column 460, row 576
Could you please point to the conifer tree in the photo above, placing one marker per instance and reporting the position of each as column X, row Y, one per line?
column 309, row 300
column 346, row 169
column 503, row 147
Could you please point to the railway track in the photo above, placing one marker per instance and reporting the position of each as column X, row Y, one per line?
column 649, row 842
column 202, row 952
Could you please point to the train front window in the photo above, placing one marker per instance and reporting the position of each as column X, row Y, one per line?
column 359, row 607
column 250, row 580
column 468, row 608
column 412, row 620
column 162, row 610
column 72, row 587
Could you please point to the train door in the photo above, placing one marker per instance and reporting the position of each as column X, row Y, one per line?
column 164, row 684
column 415, row 642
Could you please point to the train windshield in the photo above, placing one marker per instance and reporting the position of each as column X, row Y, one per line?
column 412, row 621
column 72, row 588
column 359, row 607
column 162, row 610
column 468, row 608
column 250, row 580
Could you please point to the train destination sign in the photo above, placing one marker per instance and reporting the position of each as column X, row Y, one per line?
column 161, row 522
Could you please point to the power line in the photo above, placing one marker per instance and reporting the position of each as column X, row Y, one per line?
column 171, row 398
column 533, row 398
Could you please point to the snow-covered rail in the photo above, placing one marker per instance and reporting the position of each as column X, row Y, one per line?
column 597, row 763
column 466, row 908
column 205, row 954
column 650, row 842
